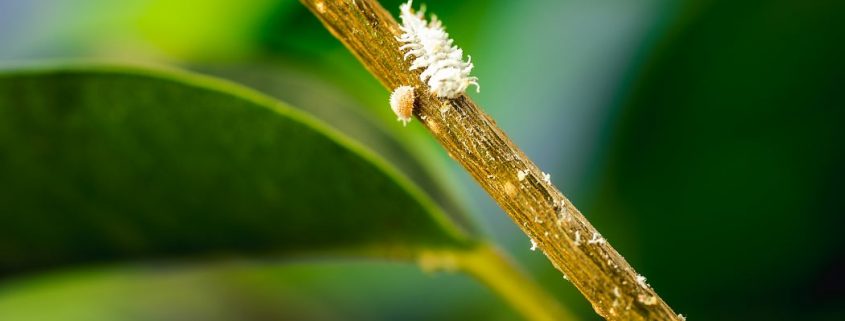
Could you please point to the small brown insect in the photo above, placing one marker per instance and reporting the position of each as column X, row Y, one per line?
column 402, row 103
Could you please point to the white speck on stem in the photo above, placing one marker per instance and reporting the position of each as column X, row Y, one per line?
column 597, row 239
column 520, row 174
column 547, row 178
column 577, row 238
column 641, row 281
column 682, row 317
column 444, row 109
column 533, row 245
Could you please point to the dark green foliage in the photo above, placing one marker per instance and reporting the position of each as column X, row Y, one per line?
column 105, row 164
column 728, row 158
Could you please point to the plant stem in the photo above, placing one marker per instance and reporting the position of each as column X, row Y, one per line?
column 492, row 268
column 474, row 140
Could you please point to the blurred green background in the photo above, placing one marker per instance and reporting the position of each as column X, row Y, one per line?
column 705, row 139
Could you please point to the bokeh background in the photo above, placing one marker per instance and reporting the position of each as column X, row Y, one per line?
column 705, row 139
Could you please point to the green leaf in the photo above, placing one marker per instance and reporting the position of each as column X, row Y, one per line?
column 302, row 90
column 103, row 164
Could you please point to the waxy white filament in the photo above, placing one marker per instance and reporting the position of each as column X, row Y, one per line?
column 446, row 74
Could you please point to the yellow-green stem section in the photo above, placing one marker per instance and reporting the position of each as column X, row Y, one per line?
column 492, row 268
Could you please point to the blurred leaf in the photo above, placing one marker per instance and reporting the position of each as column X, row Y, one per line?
column 311, row 94
column 137, row 294
column 728, row 162
column 210, row 29
column 107, row 163
column 252, row 292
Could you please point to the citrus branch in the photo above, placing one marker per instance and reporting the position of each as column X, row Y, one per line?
column 526, row 194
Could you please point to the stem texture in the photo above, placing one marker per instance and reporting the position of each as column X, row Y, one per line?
column 474, row 140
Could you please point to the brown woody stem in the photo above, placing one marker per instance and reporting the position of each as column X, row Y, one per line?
column 474, row 140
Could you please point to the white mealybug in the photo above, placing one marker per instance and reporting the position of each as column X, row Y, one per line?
column 520, row 174
column 446, row 74
column 641, row 281
column 402, row 103
column 577, row 238
column 597, row 239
